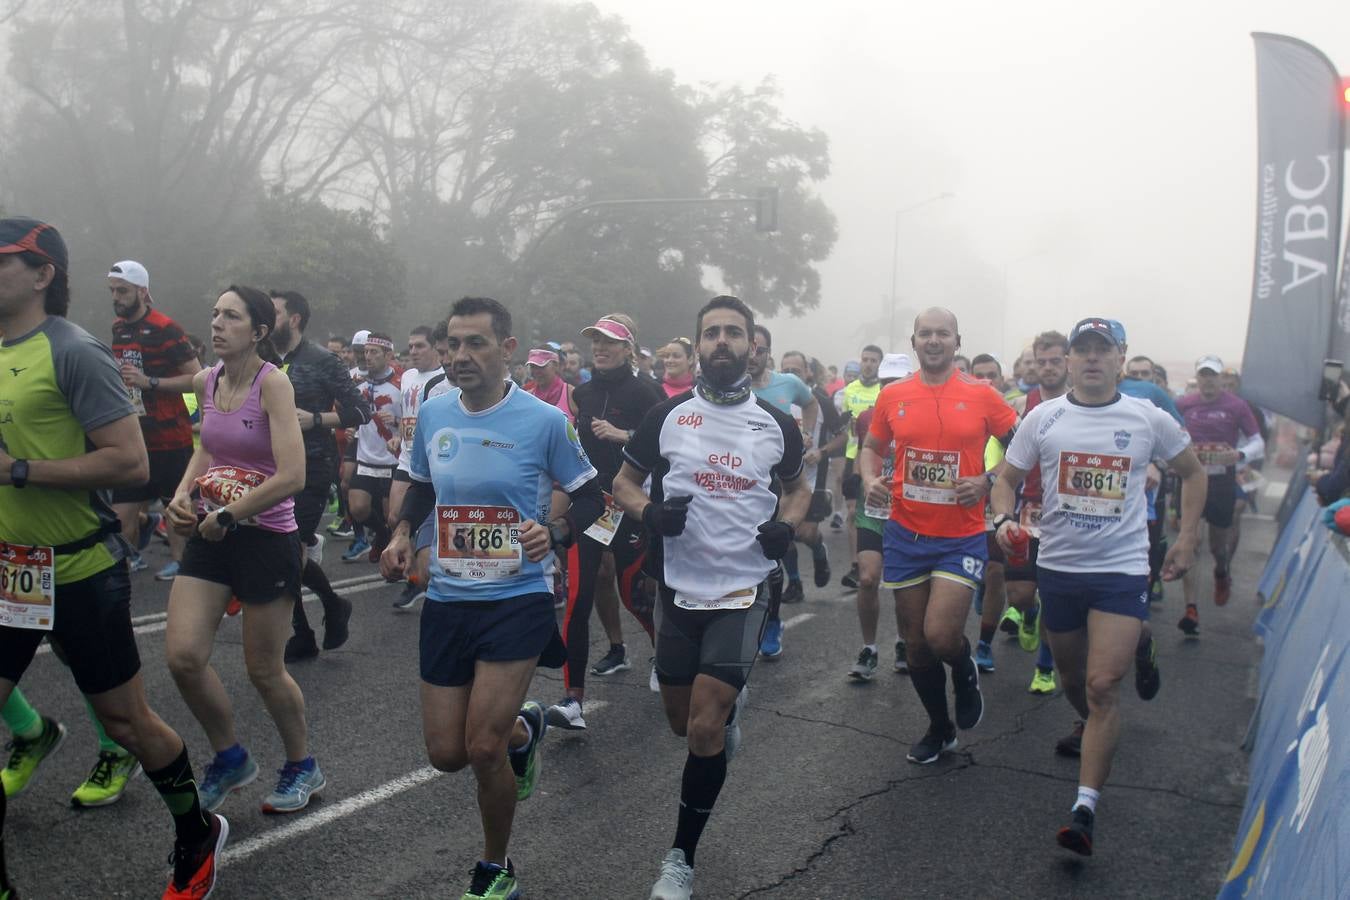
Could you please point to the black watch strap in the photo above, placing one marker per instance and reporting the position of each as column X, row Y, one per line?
column 224, row 518
column 18, row 473
column 318, row 420
column 1000, row 519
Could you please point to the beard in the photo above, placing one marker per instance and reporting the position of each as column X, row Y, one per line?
column 723, row 368
column 282, row 336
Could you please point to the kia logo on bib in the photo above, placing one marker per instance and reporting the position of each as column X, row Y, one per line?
column 728, row 459
column 693, row 420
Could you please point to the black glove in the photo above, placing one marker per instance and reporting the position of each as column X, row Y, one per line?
column 775, row 538
column 667, row 517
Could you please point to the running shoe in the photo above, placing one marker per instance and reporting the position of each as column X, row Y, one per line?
column 26, row 755
column 492, row 882
column 1072, row 743
column 866, row 666
column 300, row 647
column 148, row 531
column 850, row 579
column 136, row 563
column 525, row 763
column 566, row 714
column 335, row 631
column 837, row 521
column 1147, row 678
column 793, row 592
column 407, row 600
column 652, row 681
column 901, row 661
column 357, row 550
column 234, row 607
column 314, row 552
column 194, row 868
column 1157, row 592
column 220, row 781
column 341, row 530
column 616, row 660
column 108, row 780
column 984, row 657
column 295, row 786
column 1043, row 682
column 168, row 573
column 1011, row 623
column 731, row 740
column 1190, row 622
column 1077, row 835
column 677, row 878
column 932, row 745
column 1029, row 634
column 771, row 645
column 820, row 565
column 162, row 530
column 969, row 701
column 1223, row 588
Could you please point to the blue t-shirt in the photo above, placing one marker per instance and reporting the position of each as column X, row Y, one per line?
column 1147, row 390
column 492, row 470
column 783, row 390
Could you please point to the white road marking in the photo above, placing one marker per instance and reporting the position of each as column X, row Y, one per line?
column 797, row 620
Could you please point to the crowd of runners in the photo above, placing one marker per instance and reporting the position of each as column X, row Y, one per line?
column 513, row 490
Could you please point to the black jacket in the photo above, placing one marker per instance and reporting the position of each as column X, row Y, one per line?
column 322, row 384
column 621, row 398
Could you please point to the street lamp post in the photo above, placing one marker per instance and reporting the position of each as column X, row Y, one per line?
column 895, row 254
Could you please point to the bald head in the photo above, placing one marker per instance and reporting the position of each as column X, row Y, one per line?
column 935, row 341
column 937, row 315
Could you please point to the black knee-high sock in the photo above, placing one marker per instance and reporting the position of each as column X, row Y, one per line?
column 178, row 789
column 930, row 683
column 702, row 782
column 299, row 621
column 313, row 577
column 775, row 592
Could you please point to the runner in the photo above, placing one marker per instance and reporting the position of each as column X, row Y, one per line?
column 484, row 459
column 425, row 365
column 607, row 409
column 1248, row 475
column 1226, row 435
column 827, row 439
column 71, row 432
column 717, row 531
column 376, row 448
column 1093, row 562
column 677, row 359
column 546, row 382
column 934, row 545
column 856, row 396
column 991, row 595
column 244, row 543
column 1138, row 382
column 325, row 398
column 158, row 365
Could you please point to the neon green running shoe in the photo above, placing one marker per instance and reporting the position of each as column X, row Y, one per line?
column 107, row 781
column 1011, row 622
column 525, row 761
column 1043, row 682
column 1029, row 631
column 26, row 756
column 492, row 882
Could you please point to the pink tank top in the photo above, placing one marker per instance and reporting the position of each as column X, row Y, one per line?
column 239, row 444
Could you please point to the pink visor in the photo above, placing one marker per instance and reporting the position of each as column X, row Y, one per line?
column 610, row 329
column 541, row 357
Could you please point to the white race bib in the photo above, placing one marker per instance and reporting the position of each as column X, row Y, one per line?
column 742, row 599
column 478, row 541
column 930, row 475
column 1093, row 484
column 605, row 527
column 27, row 587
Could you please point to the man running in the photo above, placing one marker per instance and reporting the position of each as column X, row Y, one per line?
column 716, row 531
column 858, row 395
column 1226, row 436
column 376, row 448
column 484, row 458
column 425, row 365
column 1092, row 570
column 158, row 364
column 934, row 543
column 325, row 398
column 71, row 432
column 828, row 439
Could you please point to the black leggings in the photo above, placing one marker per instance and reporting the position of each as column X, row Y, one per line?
column 630, row 549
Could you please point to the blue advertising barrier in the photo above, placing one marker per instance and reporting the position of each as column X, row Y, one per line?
column 1294, row 839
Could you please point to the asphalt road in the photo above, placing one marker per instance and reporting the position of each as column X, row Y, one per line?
column 819, row 803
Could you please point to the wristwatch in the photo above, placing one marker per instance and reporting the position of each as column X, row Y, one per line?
column 1000, row 519
column 225, row 519
column 154, row 383
column 18, row 473
column 558, row 536
column 318, row 420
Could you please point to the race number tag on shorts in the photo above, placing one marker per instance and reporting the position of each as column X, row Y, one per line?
column 409, row 429
column 887, row 473
column 1214, row 457
column 742, row 599
column 223, row 485
column 27, row 587
column 478, row 541
column 604, row 528
column 930, row 475
column 374, row 471
column 1093, row 484
column 1030, row 519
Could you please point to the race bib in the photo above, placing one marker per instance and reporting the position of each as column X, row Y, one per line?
column 223, row 485
column 1214, row 457
column 607, row 525
column 134, row 393
column 409, row 427
column 480, row 542
column 374, row 471
column 1093, row 484
column 930, row 475
column 887, row 472
column 742, row 599
column 27, row 587
column 1030, row 519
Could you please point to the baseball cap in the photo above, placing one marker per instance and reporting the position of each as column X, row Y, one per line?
column 895, row 365
column 131, row 272
column 542, row 356
column 609, row 328
column 645, row 351
column 1209, row 362
column 21, row 234
column 359, row 339
column 1107, row 328
column 852, row 367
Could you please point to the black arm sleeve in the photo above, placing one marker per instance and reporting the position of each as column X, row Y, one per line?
column 418, row 503
column 352, row 409
column 588, row 504
column 1008, row 438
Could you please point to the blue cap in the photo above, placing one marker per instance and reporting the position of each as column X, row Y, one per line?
column 1110, row 329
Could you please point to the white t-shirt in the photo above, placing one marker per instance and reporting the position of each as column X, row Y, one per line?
column 372, row 438
column 1094, row 461
column 411, row 384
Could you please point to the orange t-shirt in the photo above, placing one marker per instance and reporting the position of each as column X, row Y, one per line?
column 940, row 432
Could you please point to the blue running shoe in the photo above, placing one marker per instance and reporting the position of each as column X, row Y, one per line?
column 137, row 563
column 358, row 549
column 146, row 533
column 984, row 657
column 168, row 573
column 295, row 785
column 222, row 780
column 771, row 645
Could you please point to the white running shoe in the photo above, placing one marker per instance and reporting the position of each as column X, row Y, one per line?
column 653, row 682
column 566, row 713
column 314, row 552
column 677, row 878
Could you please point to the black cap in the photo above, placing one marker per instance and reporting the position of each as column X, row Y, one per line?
column 24, row 235
column 1107, row 328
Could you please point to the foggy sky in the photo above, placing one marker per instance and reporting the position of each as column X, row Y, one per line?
column 1104, row 154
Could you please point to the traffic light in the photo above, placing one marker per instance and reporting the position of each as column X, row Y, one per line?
column 766, row 209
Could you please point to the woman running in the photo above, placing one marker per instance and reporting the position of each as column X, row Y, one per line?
column 677, row 358
column 242, row 542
